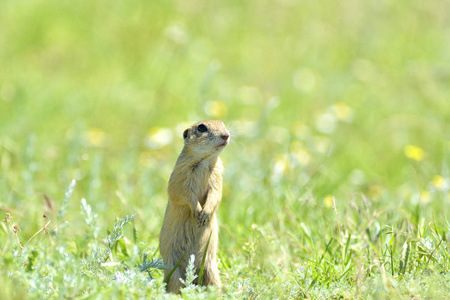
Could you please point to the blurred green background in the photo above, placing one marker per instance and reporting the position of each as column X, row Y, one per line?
column 328, row 98
column 340, row 88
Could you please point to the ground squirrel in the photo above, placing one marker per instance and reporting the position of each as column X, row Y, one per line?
column 195, row 191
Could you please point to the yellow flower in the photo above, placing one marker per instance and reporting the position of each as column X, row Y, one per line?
column 425, row 196
column 300, row 153
column 95, row 137
column 343, row 112
column 414, row 152
column 216, row 109
column 328, row 201
column 439, row 182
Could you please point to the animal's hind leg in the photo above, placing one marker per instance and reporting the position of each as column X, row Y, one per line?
column 211, row 275
column 174, row 285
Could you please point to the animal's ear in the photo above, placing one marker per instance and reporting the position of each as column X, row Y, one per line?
column 185, row 134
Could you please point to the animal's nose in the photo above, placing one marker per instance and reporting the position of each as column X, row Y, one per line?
column 225, row 137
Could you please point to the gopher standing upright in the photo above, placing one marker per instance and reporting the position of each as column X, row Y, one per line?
column 195, row 191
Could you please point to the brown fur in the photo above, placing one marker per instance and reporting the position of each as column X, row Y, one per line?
column 195, row 191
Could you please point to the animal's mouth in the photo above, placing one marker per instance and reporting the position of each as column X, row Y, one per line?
column 223, row 144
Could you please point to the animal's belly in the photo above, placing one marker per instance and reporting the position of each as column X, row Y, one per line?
column 184, row 236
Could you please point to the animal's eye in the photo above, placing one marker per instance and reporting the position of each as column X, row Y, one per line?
column 185, row 134
column 202, row 128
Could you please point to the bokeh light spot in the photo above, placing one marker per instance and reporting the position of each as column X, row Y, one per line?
column 414, row 152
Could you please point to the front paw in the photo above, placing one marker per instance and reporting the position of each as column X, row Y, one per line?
column 197, row 211
column 197, row 214
column 204, row 218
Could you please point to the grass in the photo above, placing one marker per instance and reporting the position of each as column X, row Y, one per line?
column 336, row 184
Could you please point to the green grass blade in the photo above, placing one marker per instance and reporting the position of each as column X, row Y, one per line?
column 347, row 268
column 345, row 256
column 326, row 249
column 408, row 248
column 166, row 280
column 404, row 261
column 202, row 267
column 313, row 283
